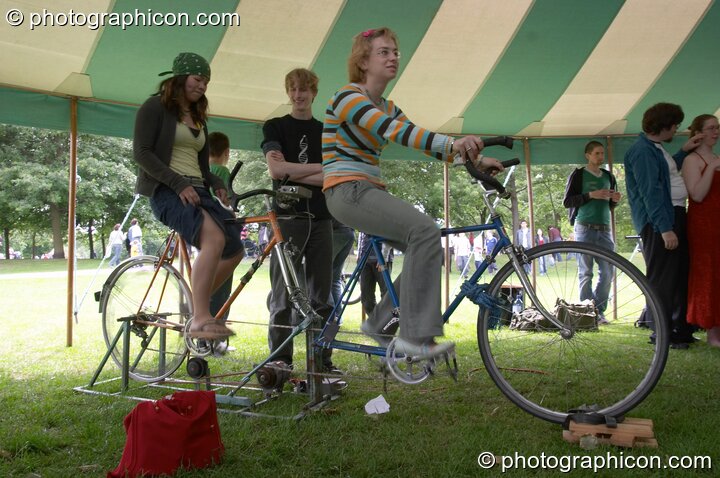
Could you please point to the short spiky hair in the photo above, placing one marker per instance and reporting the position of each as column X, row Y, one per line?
column 218, row 142
column 302, row 78
column 661, row 116
column 592, row 145
column 361, row 50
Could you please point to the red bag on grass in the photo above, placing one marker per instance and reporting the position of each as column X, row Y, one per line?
column 180, row 430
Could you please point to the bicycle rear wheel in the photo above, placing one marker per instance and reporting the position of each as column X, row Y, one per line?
column 605, row 368
column 156, row 310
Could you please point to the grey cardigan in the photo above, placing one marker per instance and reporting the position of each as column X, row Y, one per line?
column 152, row 151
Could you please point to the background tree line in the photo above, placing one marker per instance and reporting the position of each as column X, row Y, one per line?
column 34, row 198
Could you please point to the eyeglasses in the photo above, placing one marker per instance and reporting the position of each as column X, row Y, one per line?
column 386, row 52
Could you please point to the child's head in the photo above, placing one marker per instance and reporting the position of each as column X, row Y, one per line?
column 219, row 145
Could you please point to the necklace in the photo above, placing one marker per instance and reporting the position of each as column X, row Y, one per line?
column 376, row 103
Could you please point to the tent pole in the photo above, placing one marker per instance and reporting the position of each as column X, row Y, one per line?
column 72, row 193
column 526, row 152
column 446, row 209
column 610, row 161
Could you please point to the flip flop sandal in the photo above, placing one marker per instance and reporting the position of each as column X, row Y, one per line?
column 211, row 330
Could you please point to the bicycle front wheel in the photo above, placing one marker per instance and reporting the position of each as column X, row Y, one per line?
column 589, row 365
column 156, row 307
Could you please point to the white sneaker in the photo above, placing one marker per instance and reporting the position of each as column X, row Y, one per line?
column 382, row 340
column 221, row 347
column 422, row 351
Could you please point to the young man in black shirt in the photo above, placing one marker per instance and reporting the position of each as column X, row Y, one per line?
column 292, row 148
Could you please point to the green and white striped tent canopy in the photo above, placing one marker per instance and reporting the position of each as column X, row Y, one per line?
column 555, row 71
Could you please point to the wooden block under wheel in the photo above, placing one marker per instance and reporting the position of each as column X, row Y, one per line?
column 632, row 432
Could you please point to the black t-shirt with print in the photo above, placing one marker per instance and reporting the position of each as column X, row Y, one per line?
column 300, row 142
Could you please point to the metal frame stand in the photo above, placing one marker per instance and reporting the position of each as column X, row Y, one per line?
column 320, row 391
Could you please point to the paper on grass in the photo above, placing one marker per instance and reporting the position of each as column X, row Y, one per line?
column 377, row 405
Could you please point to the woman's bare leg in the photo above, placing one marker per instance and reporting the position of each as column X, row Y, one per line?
column 208, row 272
column 224, row 268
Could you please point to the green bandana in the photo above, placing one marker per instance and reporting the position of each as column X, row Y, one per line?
column 189, row 64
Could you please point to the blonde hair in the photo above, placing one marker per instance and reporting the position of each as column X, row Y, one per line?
column 302, row 78
column 361, row 46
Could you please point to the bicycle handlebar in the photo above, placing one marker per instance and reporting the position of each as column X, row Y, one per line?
column 232, row 195
column 283, row 194
column 506, row 141
column 484, row 176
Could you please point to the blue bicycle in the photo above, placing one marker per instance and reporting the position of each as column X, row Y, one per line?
column 545, row 350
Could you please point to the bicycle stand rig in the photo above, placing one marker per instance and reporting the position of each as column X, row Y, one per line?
column 318, row 389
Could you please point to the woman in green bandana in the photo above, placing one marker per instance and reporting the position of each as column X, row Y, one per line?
column 170, row 146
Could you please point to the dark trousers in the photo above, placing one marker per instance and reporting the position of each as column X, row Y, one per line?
column 313, row 241
column 220, row 296
column 369, row 276
column 667, row 272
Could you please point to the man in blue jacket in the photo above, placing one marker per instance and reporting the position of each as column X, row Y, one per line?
column 657, row 196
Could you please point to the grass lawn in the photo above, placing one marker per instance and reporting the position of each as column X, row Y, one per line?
column 435, row 429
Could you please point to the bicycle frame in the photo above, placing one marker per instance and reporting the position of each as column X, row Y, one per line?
column 543, row 376
column 504, row 245
column 281, row 248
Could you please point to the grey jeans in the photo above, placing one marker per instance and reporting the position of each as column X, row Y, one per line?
column 364, row 206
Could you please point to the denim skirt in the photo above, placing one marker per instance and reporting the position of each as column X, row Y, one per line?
column 187, row 219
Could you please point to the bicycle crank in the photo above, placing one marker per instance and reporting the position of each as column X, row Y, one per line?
column 406, row 369
column 411, row 371
column 198, row 347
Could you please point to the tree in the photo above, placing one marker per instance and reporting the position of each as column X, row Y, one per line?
column 36, row 163
column 421, row 184
column 252, row 175
column 106, row 183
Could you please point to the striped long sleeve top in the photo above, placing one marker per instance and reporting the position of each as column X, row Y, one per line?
column 356, row 131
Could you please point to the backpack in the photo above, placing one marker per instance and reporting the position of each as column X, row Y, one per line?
column 179, row 431
column 580, row 315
